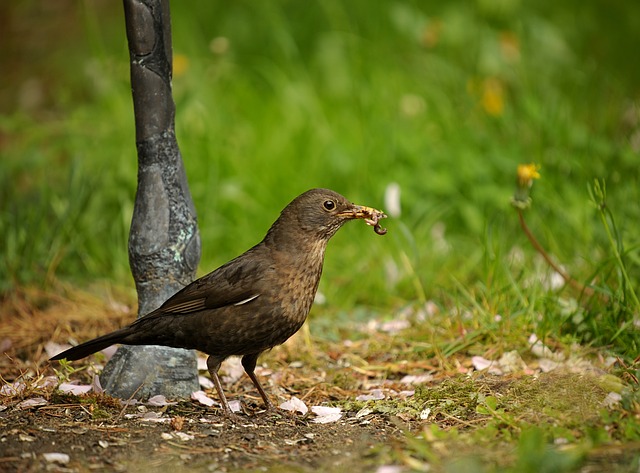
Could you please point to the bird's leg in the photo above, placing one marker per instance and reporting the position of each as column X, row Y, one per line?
column 213, row 364
column 249, row 365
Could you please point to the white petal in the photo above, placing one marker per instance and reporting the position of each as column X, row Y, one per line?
column 205, row 382
column 61, row 458
column 34, row 402
column 235, row 406
column 416, row 379
column 374, row 395
column 202, row 398
column 75, row 388
column 481, row 363
column 294, row 405
column 326, row 414
column 160, row 400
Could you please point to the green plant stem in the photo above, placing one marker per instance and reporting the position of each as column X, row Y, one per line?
column 621, row 265
column 568, row 279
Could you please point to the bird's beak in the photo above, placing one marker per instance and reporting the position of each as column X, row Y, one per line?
column 368, row 214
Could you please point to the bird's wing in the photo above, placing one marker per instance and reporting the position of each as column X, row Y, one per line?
column 236, row 283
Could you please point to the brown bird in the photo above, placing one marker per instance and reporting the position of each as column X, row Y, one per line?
column 255, row 301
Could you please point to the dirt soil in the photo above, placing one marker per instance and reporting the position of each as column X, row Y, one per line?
column 45, row 429
column 98, row 433
column 190, row 438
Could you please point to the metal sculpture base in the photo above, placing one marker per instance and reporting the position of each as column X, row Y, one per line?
column 164, row 243
column 140, row 372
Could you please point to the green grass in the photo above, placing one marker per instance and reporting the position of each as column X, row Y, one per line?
column 443, row 98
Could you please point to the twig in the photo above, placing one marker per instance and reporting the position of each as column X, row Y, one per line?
column 126, row 404
column 568, row 279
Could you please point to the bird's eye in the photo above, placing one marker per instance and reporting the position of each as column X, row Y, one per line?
column 329, row 205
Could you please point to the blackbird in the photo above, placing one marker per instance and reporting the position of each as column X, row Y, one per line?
column 255, row 301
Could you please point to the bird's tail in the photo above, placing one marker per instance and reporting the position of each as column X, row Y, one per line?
column 92, row 346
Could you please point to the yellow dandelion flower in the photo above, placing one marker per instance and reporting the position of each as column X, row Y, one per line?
column 525, row 176
column 527, row 173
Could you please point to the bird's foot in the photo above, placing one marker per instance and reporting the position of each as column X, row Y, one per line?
column 231, row 417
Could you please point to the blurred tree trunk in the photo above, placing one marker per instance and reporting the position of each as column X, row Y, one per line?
column 164, row 243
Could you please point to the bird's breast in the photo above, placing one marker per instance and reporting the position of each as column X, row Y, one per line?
column 302, row 281
column 285, row 296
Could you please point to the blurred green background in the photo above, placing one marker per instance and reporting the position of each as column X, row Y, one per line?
column 275, row 97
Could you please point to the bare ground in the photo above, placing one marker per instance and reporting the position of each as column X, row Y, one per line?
column 203, row 442
column 98, row 433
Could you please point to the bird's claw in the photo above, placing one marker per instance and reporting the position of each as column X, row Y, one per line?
column 231, row 416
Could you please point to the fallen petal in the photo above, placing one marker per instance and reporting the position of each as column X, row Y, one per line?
column 547, row 365
column 416, row 379
column 75, row 389
column 326, row 414
column 612, row 399
column 325, row 410
column 48, row 381
column 129, row 402
column 375, row 395
column 202, row 398
column 263, row 372
column 235, row 406
column 365, row 411
column 52, row 348
column 109, row 351
column 511, row 362
column 12, row 389
column 97, row 387
column 540, row 350
column 294, row 405
column 232, row 369
column 34, row 402
column 481, row 363
column 327, row 419
column 159, row 400
column 154, row 417
column 205, row 382
column 390, row 469
column 61, row 458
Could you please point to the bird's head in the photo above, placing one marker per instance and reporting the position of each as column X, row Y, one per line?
column 319, row 214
